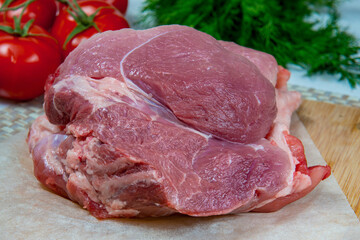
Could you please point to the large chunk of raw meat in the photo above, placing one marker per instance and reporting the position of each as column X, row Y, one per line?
column 166, row 120
column 206, row 86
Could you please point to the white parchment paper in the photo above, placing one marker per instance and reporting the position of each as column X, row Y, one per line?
column 30, row 211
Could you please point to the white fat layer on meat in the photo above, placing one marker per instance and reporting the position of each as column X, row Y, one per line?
column 116, row 204
column 196, row 183
column 130, row 83
column 81, row 182
column 97, row 93
column 72, row 159
column 40, row 129
column 182, row 179
column 256, row 147
column 59, row 112
column 299, row 183
column 287, row 102
column 80, row 131
column 257, row 99
column 47, row 149
column 204, row 135
column 121, row 212
column 105, row 186
column 110, row 186
column 52, row 162
column 92, row 165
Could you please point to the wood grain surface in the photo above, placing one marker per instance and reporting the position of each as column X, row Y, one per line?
column 335, row 130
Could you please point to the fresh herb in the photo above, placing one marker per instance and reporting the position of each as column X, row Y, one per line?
column 286, row 29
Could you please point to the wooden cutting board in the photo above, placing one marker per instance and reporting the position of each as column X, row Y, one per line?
column 335, row 130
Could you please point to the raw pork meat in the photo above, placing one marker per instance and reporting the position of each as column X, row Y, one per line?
column 170, row 120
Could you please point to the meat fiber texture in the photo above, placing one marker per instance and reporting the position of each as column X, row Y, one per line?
column 169, row 120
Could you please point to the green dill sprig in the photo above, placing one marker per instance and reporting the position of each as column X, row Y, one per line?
column 288, row 30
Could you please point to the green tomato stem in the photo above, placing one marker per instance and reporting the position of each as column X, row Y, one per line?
column 82, row 20
column 17, row 29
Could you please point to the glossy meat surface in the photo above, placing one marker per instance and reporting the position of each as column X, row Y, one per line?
column 188, row 71
column 166, row 120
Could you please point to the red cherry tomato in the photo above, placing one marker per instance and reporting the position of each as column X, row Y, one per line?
column 59, row 6
column 26, row 62
column 108, row 18
column 43, row 11
column 121, row 5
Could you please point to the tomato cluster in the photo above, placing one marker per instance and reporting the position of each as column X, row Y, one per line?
column 37, row 35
